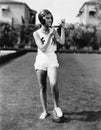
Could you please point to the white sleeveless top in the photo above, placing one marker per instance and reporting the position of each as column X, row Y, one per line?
column 51, row 47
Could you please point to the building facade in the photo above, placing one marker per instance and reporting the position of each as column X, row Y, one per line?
column 16, row 12
column 90, row 13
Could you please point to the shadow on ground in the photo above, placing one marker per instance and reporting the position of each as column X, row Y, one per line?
column 88, row 116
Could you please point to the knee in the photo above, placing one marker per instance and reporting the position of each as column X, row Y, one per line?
column 54, row 86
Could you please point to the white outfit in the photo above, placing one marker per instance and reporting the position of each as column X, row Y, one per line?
column 48, row 58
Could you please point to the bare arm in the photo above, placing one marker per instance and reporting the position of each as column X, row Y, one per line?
column 61, row 39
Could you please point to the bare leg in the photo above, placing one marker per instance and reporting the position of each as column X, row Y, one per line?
column 42, row 80
column 52, row 74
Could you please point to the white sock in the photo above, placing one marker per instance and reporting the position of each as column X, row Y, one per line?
column 43, row 115
column 59, row 111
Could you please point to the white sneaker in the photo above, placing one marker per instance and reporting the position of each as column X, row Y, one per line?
column 59, row 111
column 43, row 115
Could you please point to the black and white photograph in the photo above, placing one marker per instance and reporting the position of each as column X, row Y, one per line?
column 50, row 64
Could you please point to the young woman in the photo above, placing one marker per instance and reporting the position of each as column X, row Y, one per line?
column 46, row 63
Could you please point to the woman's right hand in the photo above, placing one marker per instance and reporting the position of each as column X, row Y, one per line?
column 52, row 31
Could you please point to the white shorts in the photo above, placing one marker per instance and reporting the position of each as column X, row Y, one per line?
column 46, row 60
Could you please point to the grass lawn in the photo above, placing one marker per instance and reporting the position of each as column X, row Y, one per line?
column 80, row 94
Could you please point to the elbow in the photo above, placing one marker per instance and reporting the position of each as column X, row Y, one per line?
column 42, row 49
column 63, row 42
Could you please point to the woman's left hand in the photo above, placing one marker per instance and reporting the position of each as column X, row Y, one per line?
column 62, row 23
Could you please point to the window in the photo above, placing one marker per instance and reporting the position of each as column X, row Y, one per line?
column 92, row 13
column 5, row 8
column 32, row 18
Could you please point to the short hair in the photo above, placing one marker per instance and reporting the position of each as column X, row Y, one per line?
column 42, row 14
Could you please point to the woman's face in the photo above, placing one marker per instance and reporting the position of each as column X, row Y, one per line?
column 48, row 20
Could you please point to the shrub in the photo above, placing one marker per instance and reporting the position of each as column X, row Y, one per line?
column 8, row 36
column 81, row 36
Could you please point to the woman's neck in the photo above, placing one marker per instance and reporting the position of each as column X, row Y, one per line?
column 45, row 29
